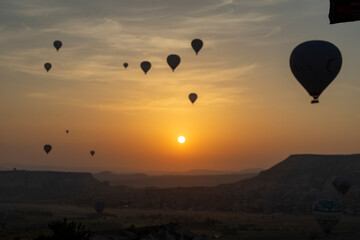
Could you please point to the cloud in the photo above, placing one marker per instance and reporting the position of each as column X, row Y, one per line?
column 259, row 3
column 39, row 95
column 96, row 46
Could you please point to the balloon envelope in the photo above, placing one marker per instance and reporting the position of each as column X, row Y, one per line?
column 197, row 44
column 173, row 60
column 99, row 207
column 342, row 185
column 57, row 44
column 92, row 152
column 47, row 148
column 315, row 64
column 145, row 66
column 192, row 97
column 126, row 65
column 47, row 66
column 327, row 213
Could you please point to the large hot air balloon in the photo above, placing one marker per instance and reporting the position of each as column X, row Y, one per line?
column 192, row 97
column 315, row 64
column 47, row 66
column 327, row 213
column 47, row 148
column 342, row 185
column 57, row 44
column 145, row 66
column 99, row 207
column 173, row 60
column 197, row 44
column 126, row 65
column 92, row 152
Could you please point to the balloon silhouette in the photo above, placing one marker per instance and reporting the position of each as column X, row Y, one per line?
column 315, row 64
column 126, row 65
column 47, row 148
column 67, row 131
column 193, row 97
column 173, row 60
column 145, row 66
column 92, row 152
column 99, row 207
column 327, row 213
column 57, row 44
column 197, row 44
column 47, row 66
column 341, row 185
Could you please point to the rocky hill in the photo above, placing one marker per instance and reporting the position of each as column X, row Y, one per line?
column 315, row 170
column 293, row 184
column 32, row 186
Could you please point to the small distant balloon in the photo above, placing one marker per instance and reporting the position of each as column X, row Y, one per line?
column 197, row 44
column 92, row 152
column 99, row 207
column 145, row 66
column 327, row 213
column 47, row 66
column 315, row 64
column 67, row 131
column 47, row 148
column 342, row 185
column 126, row 65
column 173, row 60
column 57, row 44
column 193, row 97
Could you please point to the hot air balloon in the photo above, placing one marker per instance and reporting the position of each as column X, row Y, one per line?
column 315, row 64
column 57, row 44
column 197, row 44
column 192, row 97
column 342, row 185
column 99, row 207
column 92, row 152
column 126, row 65
column 47, row 148
column 173, row 60
column 327, row 213
column 145, row 66
column 67, row 131
column 47, row 66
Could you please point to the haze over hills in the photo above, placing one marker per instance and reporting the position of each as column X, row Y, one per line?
column 186, row 179
column 206, row 172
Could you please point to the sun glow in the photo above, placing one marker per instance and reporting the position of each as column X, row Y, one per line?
column 181, row 139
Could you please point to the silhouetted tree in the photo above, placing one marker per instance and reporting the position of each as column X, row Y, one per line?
column 66, row 230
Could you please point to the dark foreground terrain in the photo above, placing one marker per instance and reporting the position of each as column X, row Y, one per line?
column 27, row 221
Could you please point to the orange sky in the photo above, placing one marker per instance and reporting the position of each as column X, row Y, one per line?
column 251, row 111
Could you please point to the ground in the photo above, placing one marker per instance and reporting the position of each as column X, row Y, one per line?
column 27, row 221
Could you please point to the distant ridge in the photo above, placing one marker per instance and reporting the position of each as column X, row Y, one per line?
column 141, row 180
column 206, row 172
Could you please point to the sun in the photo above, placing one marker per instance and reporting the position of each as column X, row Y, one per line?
column 181, row 139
